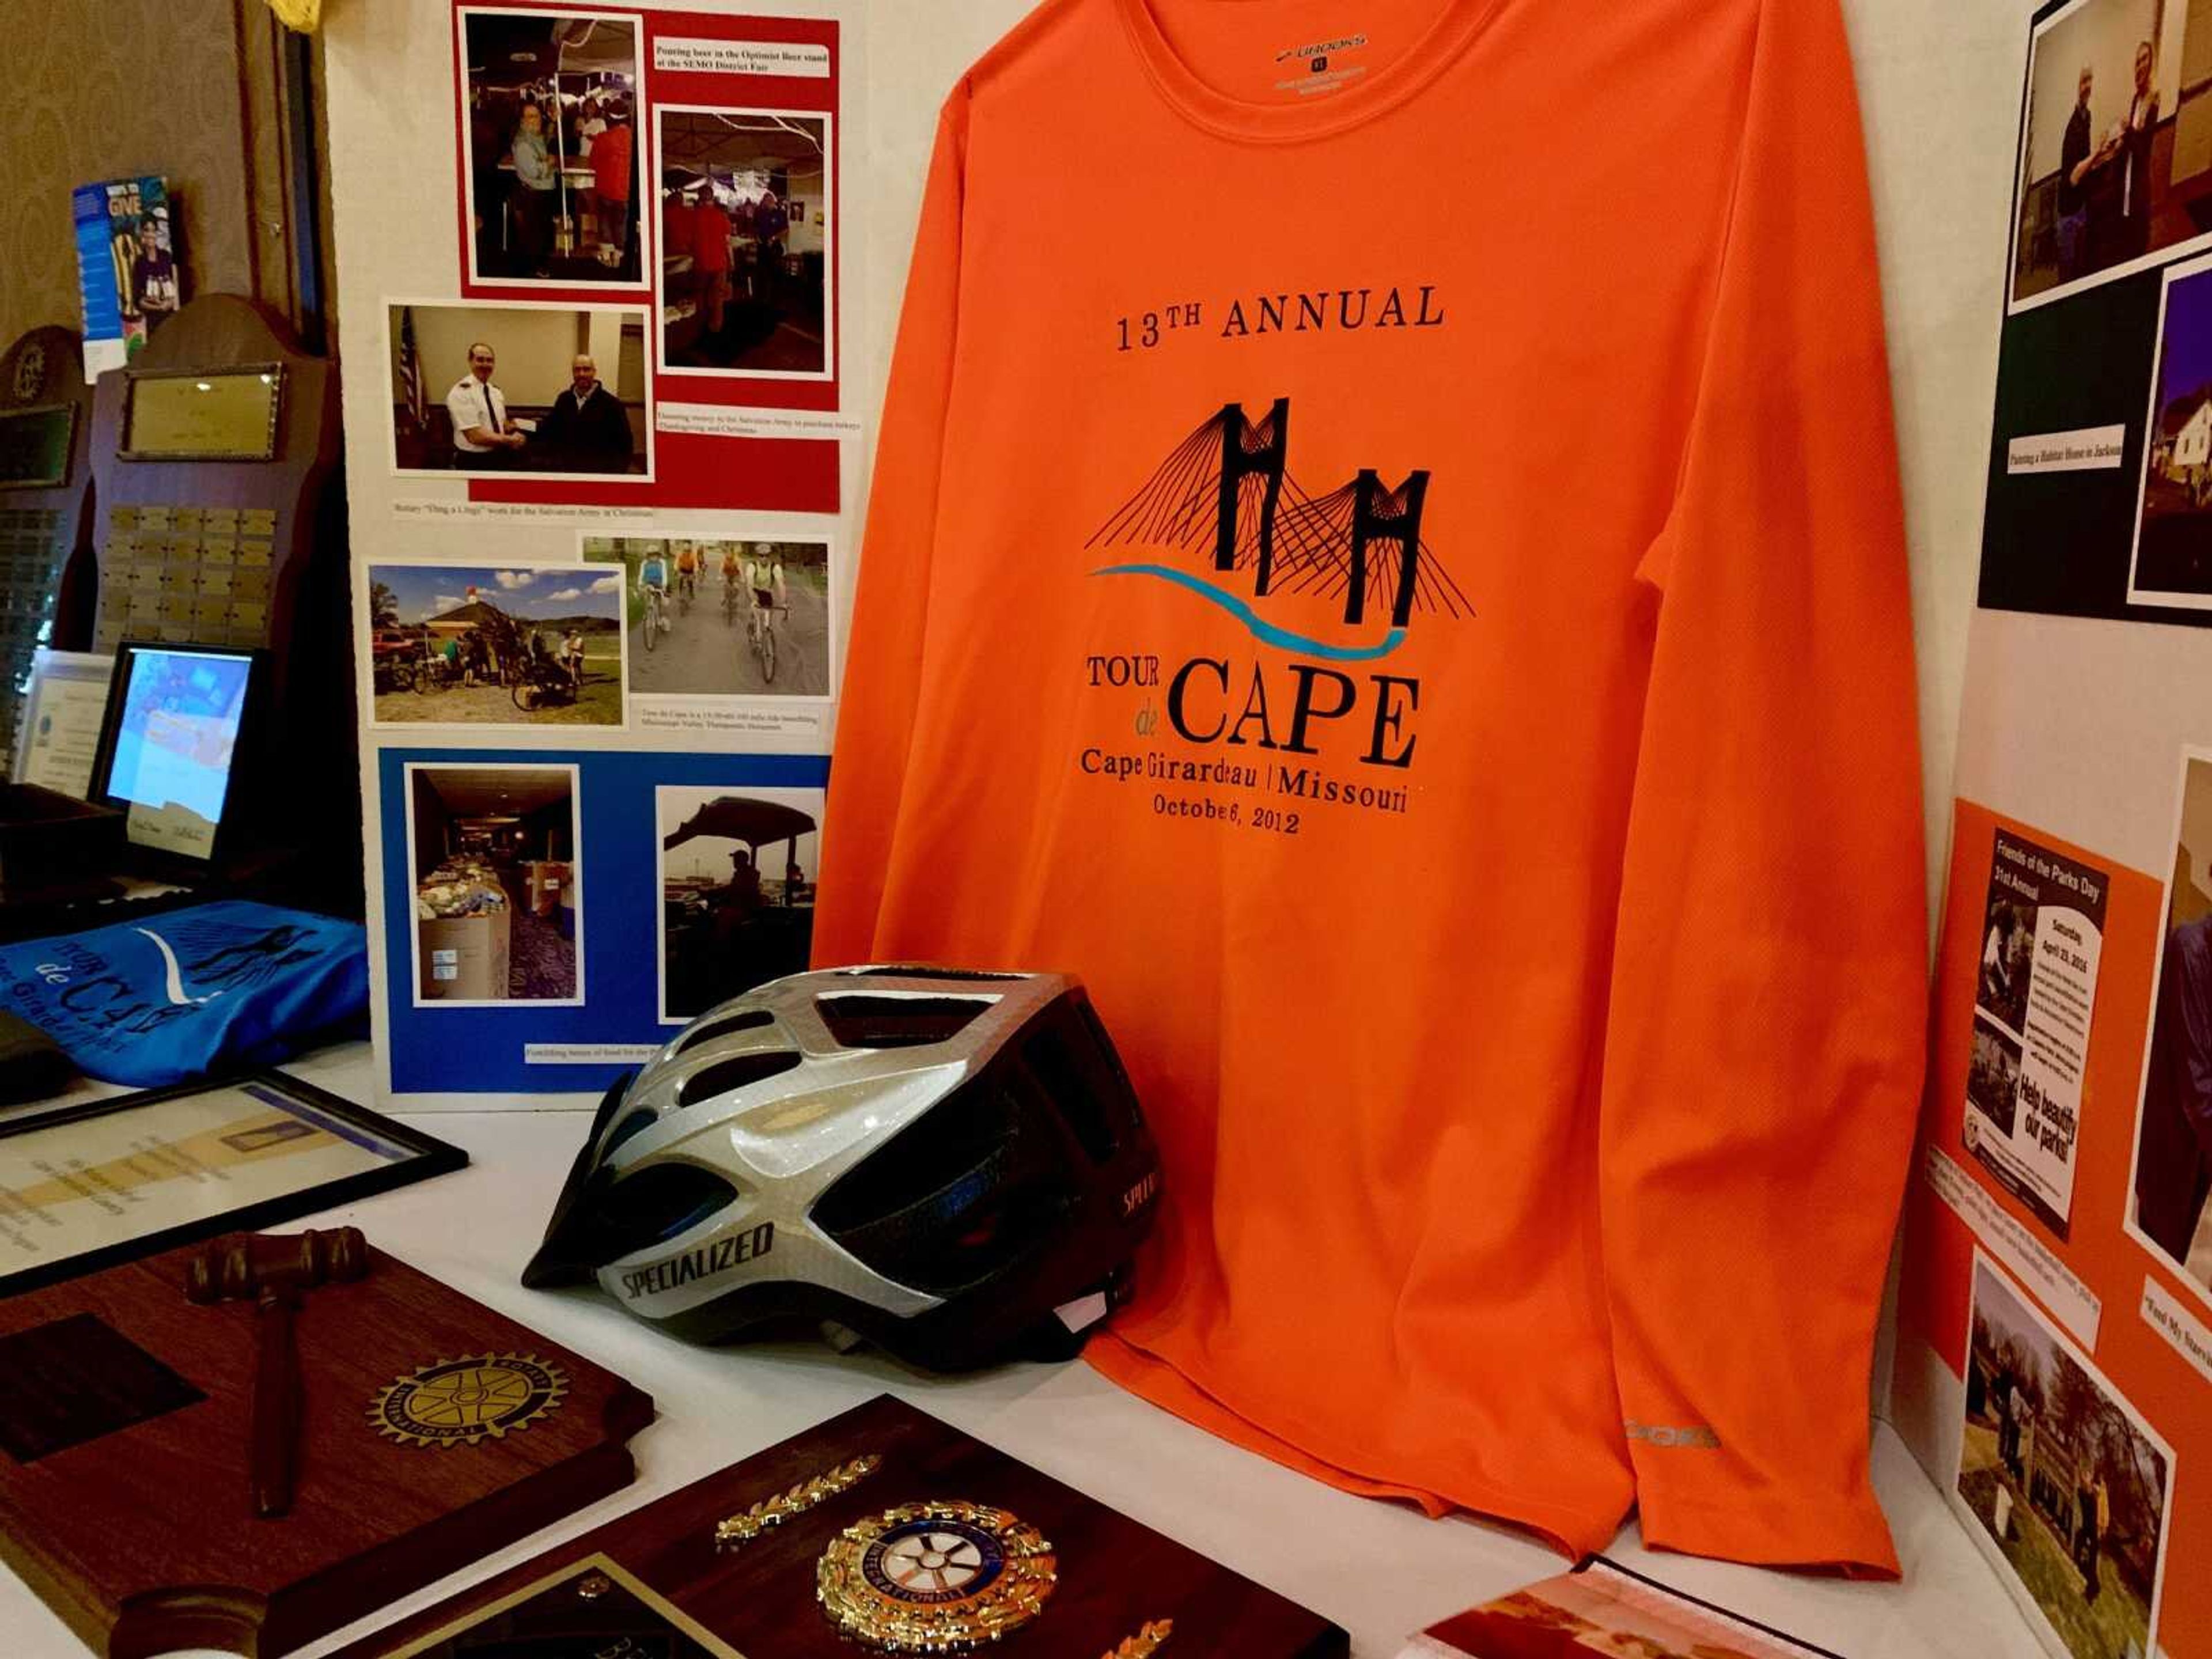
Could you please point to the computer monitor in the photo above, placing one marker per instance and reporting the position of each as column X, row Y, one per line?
column 180, row 718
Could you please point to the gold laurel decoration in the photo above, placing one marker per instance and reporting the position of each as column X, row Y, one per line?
column 1145, row 1642
column 737, row 1530
column 942, row 1622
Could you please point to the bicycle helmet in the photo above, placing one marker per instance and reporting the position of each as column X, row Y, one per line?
column 952, row 1164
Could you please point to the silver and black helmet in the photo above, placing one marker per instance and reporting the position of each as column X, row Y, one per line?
column 952, row 1164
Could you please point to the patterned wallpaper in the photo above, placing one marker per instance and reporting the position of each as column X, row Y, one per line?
column 105, row 89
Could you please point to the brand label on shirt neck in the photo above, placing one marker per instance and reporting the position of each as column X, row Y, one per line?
column 1324, row 64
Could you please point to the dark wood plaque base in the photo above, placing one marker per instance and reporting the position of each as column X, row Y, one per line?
column 758, row 1599
column 125, row 1415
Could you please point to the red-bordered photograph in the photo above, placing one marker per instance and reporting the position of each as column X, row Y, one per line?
column 550, row 102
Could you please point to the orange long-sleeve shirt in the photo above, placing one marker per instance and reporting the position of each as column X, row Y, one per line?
column 1385, row 557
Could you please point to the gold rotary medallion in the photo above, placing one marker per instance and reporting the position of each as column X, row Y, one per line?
column 941, row 1577
column 458, row 1402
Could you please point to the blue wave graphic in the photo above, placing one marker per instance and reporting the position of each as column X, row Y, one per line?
column 1260, row 629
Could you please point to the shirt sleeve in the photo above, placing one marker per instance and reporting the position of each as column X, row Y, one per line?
column 1765, row 1044
column 463, row 410
column 890, row 613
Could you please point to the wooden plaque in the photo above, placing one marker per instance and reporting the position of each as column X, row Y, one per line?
column 203, row 543
column 659, row 1568
column 45, row 489
column 125, row 1415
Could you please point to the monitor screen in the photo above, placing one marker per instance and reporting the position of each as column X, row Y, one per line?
column 175, row 713
column 207, row 415
column 34, row 446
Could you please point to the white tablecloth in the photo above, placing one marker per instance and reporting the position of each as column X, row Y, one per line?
column 1383, row 1571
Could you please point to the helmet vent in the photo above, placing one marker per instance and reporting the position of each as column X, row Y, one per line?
column 958, row 1194
column 653, row 1206
column 635, row 1123
column 727, row 1076
column 919, row 971
column 873, row 1022
column 951, row 1144
column 1070, row 1060
column 751, row 1020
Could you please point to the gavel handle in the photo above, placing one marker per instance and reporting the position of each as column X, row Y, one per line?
column 276, row 1406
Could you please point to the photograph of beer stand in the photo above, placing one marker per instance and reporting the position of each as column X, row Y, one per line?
column 664, row 993
column 744, row 242
column 551, row 104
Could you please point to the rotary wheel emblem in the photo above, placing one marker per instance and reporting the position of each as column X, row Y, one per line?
column 936, row 1578
column 462, row 1402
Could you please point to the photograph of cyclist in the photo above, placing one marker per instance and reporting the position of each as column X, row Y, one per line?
column 732, row 572
column 765, row 576
column 686, row 573
column 724, row 617
column 650, row 615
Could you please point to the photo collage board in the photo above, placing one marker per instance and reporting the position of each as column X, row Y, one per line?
column 600, row 530
column 2053, row 1367
column 2065, row 1364
column 2099, row 495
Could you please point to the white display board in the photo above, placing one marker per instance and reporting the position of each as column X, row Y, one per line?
column 603, row 456
column 2057, row 1265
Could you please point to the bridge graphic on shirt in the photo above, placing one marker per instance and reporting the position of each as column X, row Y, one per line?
column 1227, row 488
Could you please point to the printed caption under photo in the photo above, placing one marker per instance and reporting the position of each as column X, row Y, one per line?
column 795, row 58
column 702, row 719
column 2075, row 1305
column 2091, row 449
column 589, row 1054
column 2184, row 1331
column 721, row 421
column 464, row 511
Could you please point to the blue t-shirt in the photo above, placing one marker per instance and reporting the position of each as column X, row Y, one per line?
column 653, row 573
column 180, row 995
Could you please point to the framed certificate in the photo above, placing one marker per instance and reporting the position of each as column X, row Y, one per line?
column 59, row 733
column 85, row 1187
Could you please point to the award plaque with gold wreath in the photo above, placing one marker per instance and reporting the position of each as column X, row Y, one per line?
column 883, row 1530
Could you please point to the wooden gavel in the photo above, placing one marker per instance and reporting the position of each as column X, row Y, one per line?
column 272, row 1270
